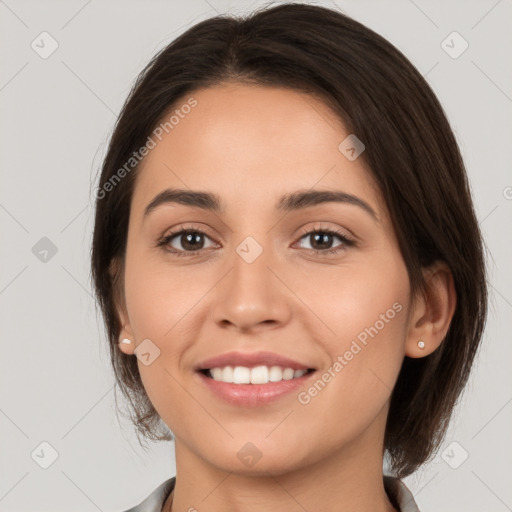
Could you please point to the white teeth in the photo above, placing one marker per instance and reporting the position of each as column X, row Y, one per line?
column 227, row 374
column 241, row 375
column 259, row 375
column 275, row 374
column 288, row 373
column 217, row 373
column 256, row 375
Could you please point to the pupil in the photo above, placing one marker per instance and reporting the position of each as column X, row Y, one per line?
column 192, row 240
column 322, row 238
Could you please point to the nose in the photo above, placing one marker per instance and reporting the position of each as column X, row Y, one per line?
column 252, row 296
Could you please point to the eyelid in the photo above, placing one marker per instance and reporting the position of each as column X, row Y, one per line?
column 348, row 238
column 321, row 226
column 188, row 226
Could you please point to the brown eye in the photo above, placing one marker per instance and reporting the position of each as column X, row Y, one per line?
column 321, row 241
column 186, row 240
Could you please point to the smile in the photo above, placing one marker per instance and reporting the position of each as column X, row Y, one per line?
column 256, row 375
column 252, row 379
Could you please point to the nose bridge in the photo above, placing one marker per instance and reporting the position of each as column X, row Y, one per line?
column 251, row 292
column 252, row 261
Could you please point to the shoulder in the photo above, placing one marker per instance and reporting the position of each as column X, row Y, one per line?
column 155, row 501
column 403, row 497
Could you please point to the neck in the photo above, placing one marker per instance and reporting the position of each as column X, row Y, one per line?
column 348, row 480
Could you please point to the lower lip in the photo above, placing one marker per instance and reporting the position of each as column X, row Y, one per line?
column 253, row 395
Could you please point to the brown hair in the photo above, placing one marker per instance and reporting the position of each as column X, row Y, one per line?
column 410, row 150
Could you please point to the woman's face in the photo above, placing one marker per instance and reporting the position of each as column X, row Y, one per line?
column 252, row 283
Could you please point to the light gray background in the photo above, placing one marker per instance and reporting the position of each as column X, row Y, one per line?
column 57, row 113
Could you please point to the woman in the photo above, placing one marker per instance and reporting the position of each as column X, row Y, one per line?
column 288, row 263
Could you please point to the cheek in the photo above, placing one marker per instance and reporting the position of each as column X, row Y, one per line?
column 158, row 297
column 365, row 309
column 158, row 303
column 358, row 299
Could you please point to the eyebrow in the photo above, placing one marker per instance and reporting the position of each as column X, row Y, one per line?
column 289, row 202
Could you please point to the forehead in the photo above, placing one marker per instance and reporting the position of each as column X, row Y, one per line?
column 250, row 144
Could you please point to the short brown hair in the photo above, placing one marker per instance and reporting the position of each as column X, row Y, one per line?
column 410, row 150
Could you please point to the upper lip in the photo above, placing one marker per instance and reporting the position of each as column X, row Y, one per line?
column 250, row 360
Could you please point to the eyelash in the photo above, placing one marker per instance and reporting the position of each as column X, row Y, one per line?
column 346, row 241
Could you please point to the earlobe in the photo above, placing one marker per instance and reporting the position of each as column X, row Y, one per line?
column 432, row 312
column 126, row 341
column 126, row 346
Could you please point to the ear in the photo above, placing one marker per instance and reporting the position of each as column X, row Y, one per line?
column 116, row 272
column 432, row 312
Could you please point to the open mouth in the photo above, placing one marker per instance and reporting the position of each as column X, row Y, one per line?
column 254, row 375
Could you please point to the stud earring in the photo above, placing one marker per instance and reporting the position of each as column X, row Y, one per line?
column 421, row 344
column 126, row 341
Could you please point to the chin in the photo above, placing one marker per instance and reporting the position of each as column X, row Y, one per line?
column 257, row 458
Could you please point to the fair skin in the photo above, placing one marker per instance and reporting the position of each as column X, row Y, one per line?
column 250, row 145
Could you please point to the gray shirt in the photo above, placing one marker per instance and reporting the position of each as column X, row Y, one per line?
column 398, row 493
